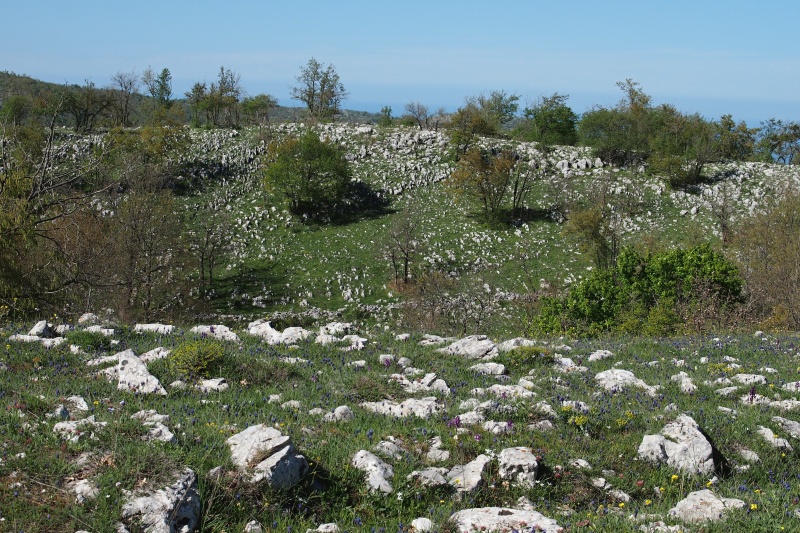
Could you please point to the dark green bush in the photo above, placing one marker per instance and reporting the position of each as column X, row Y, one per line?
column 195, row 359
column 653, row 295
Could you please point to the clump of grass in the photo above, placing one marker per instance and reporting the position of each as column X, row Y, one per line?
column 89, row 341
column 195, row 359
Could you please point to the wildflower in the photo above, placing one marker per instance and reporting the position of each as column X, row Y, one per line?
column 753, row 507
column 674, row 477
column 648, row 502
column 621, row 505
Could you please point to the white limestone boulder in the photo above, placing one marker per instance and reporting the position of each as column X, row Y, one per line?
column 173, row 509
column 503, row 519
column 704, row 505
column 683, row 446
column 472, row 347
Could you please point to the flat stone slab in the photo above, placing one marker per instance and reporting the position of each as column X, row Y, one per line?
column 704, row 505
column 472, row 347
column 503, row 519
column 419, row 407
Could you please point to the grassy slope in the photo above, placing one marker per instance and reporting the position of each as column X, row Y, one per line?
column 32, row 488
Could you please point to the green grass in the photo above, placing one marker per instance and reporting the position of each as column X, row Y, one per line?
column 33, row 495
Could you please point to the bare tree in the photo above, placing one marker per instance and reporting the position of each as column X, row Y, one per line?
column 126, row 89
column 419, row 113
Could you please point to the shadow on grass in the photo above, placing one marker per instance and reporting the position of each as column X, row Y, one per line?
column 255, row 286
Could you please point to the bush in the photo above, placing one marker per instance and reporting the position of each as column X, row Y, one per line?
column 312, row 175
column 655, row 295
column 195, row 359
column 88, row 340
column 768, row 250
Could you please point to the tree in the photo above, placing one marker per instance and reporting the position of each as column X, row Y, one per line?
column 499, row 107
column 386, row 116
column 736, row 141
column 125, row 87
column 620, row 135
column 43, row 184
column 485, row 175
column 403, row 245
column 311, row 174
column 86, row 105
column 256, row 110
column 320, row 90
column 159, row 85
column 550, row 122
column 196, row 97
column 778, row 141
column 682, row 146
column 221, row 103
column 419, row 113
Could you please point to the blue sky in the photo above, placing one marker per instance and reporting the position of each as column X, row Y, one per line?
column 711, row 57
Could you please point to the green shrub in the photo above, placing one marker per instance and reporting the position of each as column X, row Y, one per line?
column 88, row 340
column 195, row 359
column 654, row 295
column 524, row 357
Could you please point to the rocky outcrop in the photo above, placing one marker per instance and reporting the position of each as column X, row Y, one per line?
column 173, row 509
column 683, row 446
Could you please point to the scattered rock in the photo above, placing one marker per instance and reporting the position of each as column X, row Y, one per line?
column 220, row 332
column 377, row 472
column 617, row 380
column 683, row 446
column 268, row 454
column 503, row 519
column 468, row 477
column 161, row 329
column 341, row 414
column 512, row 344
column 519, row 466
column 472, row 347
column 421, row 408
column 169, row 510
column 133, row 375
column 703, row 505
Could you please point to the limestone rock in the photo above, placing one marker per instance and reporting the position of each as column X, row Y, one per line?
column 703, row 505
column 213, row 385
column 421, row 524
column 599, row 355
column 467, row 478
column 220, row 332
column 276, row 459
column 519, row 466
column 488, row 369
column 789, row 426
column 519, row 342
column 169, row 510
column 472, row 347
column 774, row 440
column 75, row 430
column 377, row 472
column 419, row 407
column 336, row 328
column 43, row 330
column 617, row 380
column 503, row 519
column 161, row 329
column 133, row 376
column 341, row 414
column 291, row 335
column 682, row 446
column 430, row 477
column 84, row 489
